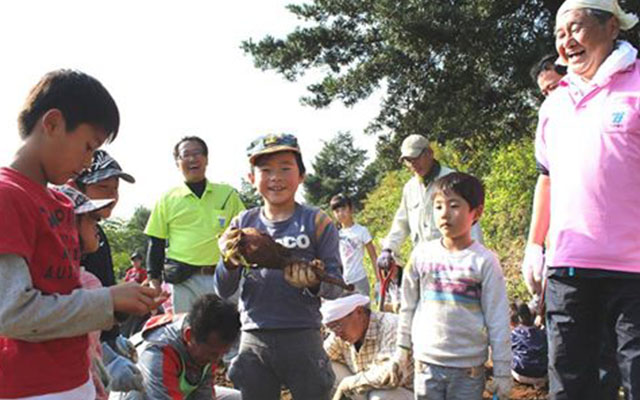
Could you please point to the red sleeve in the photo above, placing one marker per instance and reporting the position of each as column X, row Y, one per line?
column 18, row 229
column 171, row 372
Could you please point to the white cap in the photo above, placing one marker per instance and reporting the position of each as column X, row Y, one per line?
column 413, row 146
column 333, row 310
column 627, row 20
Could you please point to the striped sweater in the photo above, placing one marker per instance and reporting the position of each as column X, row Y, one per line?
column 454, row 306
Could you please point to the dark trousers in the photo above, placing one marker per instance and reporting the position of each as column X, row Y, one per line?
column 589, row 316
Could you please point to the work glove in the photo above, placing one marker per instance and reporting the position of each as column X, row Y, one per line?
column 346, row 387
column 385, row 259
column 400, row 364
column 227, row 243
column 124, row 347
column 501, row 385
column 124, row 374
column 533, row 267
column 302, row 274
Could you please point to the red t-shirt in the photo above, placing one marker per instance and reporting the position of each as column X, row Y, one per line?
column 136, row 275
column 38, row 224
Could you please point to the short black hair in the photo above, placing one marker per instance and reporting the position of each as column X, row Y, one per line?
column 205, row 149
column 297, row 155
column 212, row 314
column 464, row 185
column 546, row 63
column 521, row 314
column 79, row 97
column 340, row 200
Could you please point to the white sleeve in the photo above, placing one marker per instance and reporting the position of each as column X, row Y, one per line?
column 409, row 296
column 495, row 307
column 365, row 236
column 399, row 228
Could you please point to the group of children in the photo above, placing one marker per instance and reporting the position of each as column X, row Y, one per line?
column 454, row 303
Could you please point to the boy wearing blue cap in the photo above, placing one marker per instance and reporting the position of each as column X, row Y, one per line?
column 281, row 342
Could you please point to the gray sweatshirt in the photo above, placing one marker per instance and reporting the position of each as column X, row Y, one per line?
column 454, row 306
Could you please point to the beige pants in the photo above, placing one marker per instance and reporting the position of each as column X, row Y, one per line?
column 342, row 371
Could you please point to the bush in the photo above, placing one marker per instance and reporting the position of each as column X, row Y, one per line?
column 509, row 175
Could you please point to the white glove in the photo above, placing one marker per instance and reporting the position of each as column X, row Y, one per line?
column 501, row 385
column 400, row 364
column 533, row 267
column 345, row 387
column 385, row 259
column 124, row 375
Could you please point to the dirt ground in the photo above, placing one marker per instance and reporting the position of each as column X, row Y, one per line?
column 519, row 392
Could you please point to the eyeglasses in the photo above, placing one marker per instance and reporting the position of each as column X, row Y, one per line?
column 408, row 161
column 190, row 154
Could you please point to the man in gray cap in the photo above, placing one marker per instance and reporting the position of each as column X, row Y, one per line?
column 414, row 216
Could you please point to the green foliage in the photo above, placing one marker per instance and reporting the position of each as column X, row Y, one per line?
column 339, row 168
column 249, row 195
column 452, row 71
column 380, row 207
column 509, row 187
column 509, row 175
column 125, row 237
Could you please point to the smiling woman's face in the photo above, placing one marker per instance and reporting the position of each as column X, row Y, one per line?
column 583, row 42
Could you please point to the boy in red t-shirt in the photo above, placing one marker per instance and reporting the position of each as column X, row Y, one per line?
column 45, row 313
column 136, row 273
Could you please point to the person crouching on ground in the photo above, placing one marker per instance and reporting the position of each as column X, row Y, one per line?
column 178, row 353
column 361, row 347
column 529, row 347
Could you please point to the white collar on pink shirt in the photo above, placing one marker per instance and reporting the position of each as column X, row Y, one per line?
column 621, row 58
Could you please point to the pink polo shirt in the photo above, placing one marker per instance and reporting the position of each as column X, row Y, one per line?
column 591, row 147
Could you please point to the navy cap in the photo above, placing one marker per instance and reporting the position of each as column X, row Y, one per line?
column 81, row 203
column 103, row 167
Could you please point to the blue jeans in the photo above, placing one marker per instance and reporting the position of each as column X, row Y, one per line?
column 435, row 382
column 294, row 358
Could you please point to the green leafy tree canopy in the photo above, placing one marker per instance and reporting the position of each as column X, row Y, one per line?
column 339, row 168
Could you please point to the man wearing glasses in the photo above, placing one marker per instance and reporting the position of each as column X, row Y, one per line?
column 414, row 217
column 186, row 222
column 361, row 345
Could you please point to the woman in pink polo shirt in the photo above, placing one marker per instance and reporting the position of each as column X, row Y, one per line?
column 587, row 201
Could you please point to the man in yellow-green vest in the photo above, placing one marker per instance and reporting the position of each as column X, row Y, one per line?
column 185, row 224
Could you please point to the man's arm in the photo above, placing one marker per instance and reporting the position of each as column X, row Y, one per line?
column 533, row 263
column 155, row 258
column 333, row 347
column 50, row 316
column 376, row 374
column 540, row 214
column 399, row 228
